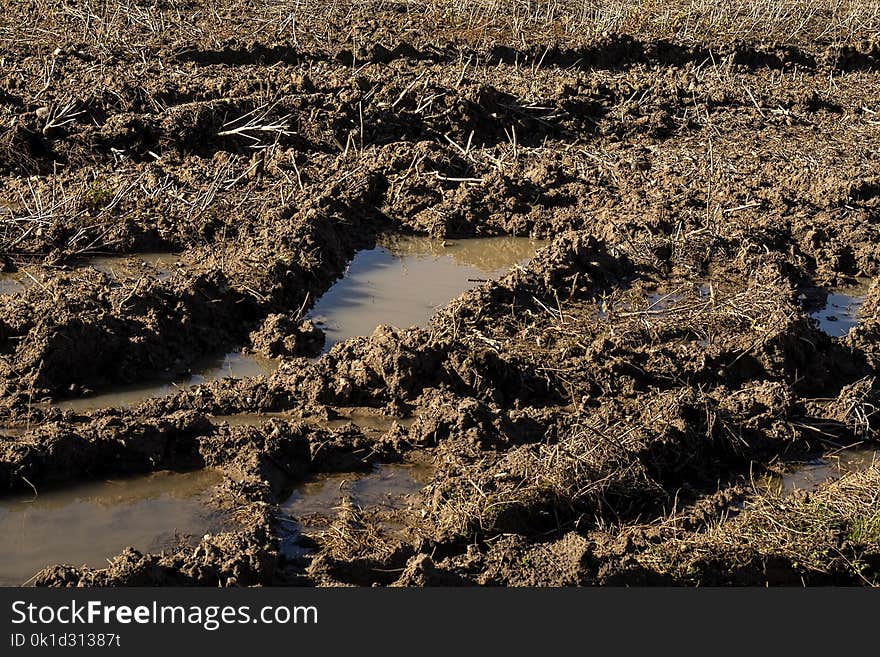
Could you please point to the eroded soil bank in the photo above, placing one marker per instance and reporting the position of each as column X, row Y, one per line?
column 704, row 313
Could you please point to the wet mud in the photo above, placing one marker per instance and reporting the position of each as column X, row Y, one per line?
column 602, row 284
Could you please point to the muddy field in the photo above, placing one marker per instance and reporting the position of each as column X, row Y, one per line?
column 433, row 293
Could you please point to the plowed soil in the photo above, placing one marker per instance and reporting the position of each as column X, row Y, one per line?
column 600, row 415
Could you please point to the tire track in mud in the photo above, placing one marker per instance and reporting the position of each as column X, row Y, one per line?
column 555, row 401
column 481, row 422
column 126, row 331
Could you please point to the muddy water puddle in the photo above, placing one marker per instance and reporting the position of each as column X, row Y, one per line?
column 835, row 311
column 159, row 266
column 13, row 283
column 389, row 488
column 236, row 365
column 657, row 302
column 89, row 523
column 368, row 420
column 401, row 282
column 153, row 265
column 809, row 476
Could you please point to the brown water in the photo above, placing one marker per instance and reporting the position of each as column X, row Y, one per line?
column 367, row 419
column 809, row 476
column 401, row 282
column 13, row 431
column 313, row 504
column 89, row 523
column 153, row 265
column 235, row 365
column 13, row 283
column 388, row 486
column 159, row 266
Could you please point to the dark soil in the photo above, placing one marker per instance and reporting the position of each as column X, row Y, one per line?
column 598, row 416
